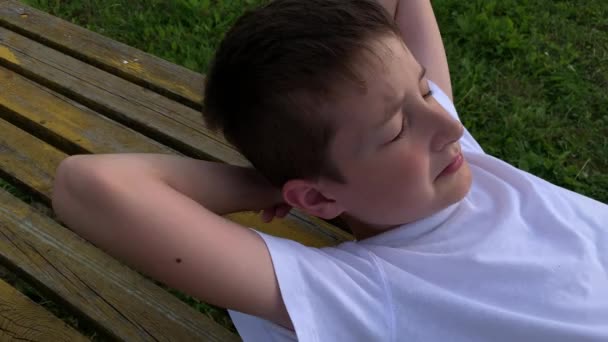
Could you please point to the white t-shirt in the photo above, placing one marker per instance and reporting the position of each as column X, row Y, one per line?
column 518, row 259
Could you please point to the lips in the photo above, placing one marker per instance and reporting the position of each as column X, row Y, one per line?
column 453, row 166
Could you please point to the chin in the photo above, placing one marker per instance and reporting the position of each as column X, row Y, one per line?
column 463, row 186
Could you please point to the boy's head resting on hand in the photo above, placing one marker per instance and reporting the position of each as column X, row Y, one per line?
column 326, row 101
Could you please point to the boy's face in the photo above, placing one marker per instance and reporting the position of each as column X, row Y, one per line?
column 393, row 144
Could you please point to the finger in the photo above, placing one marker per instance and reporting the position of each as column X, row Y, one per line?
column 267, row 215
column 283, row 210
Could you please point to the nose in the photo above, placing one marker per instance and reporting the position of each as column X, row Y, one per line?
column 446, row 129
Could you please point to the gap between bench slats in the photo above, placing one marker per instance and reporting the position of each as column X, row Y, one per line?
column 147, row 112
column 118, row 299
column 68, row 124
column 114, row 306
column 60, row 70
column 22, row 319
column 84, row 131
column 142, row 68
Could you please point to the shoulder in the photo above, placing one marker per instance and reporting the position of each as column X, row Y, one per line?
column 334, row 292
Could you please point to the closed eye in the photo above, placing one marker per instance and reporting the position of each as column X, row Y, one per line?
column 402, row 131
column 430, row 92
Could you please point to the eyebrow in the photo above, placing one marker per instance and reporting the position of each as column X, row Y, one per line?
column 391, row 110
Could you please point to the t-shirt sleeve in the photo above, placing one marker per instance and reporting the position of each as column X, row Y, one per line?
column 331, row 294
column 468, row 143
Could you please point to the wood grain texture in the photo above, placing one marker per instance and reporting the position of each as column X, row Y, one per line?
column 152, row 72
column 77, row 128
column 33, row 162
column 56, row 81
column 29, row 160
column 22, row 319
column 162, row 119
column 120, row 300
column 41, row 63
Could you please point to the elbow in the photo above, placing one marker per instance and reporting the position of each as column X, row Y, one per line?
column 60, row 193
column 67, row 183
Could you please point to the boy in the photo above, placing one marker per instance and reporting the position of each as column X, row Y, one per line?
column 345, row 113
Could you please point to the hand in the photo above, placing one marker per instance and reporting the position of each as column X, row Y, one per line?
column 279, row 210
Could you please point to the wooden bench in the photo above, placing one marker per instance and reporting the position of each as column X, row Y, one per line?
column 65, row 90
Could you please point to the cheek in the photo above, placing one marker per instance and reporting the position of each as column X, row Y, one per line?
column 406, row 178
column 396, row 180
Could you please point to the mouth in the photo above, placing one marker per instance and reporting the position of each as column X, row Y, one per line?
column 453, row 166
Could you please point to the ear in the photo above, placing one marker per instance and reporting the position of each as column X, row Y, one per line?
column 306, row 196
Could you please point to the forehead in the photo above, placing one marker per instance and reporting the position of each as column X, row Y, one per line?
column 388, row 74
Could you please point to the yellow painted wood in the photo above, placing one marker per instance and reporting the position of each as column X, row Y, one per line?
column 120, row 300
column 291, row 228
column 140, row 67
column 165, row 120
column 46, row 112
column 54, row 68
column 22, row 319
column 34, row 162
column 100, row 287
column 7, row 55
column 16, row 147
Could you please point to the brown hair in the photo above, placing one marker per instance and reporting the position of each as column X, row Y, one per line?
column 273, row 72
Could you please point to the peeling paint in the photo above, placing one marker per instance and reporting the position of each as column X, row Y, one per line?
column 134, row 66
column 7, row 54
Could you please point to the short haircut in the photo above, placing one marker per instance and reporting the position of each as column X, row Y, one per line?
column 274, row 70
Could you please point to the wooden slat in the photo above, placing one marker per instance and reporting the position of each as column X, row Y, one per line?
column 107, row 296
column 22, row 319
column 74, row 270
column 91, row 133
column 142, row 68
column 163, row 119
column 120, row 300
column 52, row 114
column 87, row 131
column 16, row 160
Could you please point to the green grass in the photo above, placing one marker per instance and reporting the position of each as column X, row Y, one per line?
column 531, row 84
column 530, row 78
column 185, row 32
column 5, row 185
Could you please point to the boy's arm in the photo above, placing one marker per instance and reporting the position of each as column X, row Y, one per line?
column 153, row 212
column 389, row 5
column 420, row 32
